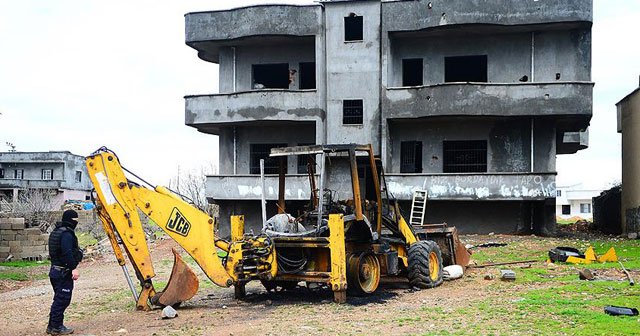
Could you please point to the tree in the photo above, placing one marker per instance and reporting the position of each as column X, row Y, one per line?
column 190, row 184
column 34, row 205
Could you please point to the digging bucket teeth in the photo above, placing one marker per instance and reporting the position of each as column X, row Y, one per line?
column 182, row 285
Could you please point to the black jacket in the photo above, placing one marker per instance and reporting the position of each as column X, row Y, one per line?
column 63, row 246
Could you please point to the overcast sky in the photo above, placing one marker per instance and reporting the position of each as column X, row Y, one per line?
column 77, row 75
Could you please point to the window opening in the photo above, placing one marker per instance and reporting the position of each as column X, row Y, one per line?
column 412, row 72
column 307, row 75
column 566, row 209
column 1, row 173
column 47, row 174
column 558, row 193
column 270, row 76
column 303, row 159
column 18, row 174
column 585, row 208
column 262, row 151
column 353, row 28
column 411, row 157
column 352, row 112
column 78, row 176
column 465, row 69
column 464, row 156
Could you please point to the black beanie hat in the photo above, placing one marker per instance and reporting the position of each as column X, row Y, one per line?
column 69, row 215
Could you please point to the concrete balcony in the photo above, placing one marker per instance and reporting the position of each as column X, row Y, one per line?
column 249, row 187
column 483, row 186
column 30, row 184
column 208, row 31
column 208, row 112
column 424, row 15
column 490, row 99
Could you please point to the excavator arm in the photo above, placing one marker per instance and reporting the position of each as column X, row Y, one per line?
column 118, row 202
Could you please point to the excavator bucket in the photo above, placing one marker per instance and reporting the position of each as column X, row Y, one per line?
column 453, row 251
column 183, row 284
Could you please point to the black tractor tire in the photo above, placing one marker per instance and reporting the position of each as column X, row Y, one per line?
column 425, row 264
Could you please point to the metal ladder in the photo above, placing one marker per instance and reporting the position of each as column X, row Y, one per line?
column 418, row 205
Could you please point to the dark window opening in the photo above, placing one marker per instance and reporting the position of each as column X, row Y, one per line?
column 262, row 151
column 411, row 157
column 585, row 208
column 412, row 72
column 304, row 159
column 270, row 76
column 465, row 69
column 352, row 111
column 18, row 174
column 307, row 75
column 78, row 176
column 87, row 198
column 558, row 193
column 1, row 173
column 566, row 209
column 464, row 156
column 353, row 28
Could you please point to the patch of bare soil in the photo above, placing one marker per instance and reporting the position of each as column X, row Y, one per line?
column 102, row 305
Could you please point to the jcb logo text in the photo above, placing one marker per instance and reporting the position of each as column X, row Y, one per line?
column 178, row 224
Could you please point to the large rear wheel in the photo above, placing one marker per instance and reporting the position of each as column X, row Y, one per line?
column 425, row 264
column 363, row 273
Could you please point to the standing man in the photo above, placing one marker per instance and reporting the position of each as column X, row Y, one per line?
column 65, row 255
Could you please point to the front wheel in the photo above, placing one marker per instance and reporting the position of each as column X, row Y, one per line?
column 425, row 264
column 363, row 273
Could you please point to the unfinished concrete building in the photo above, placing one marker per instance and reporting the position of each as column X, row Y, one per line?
column 469, row 100
column 628, row 110
column 60, row 174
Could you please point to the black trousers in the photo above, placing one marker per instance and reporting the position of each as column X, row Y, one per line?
column 62, row 288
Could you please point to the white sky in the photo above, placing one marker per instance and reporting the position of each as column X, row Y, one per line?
column 77, row 75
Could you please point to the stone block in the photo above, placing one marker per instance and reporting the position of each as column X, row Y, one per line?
column 4, row 232
column 8, row 237
column 33, row 231
column 6, row 249
column 5, row 226
column 3, row 255
column 17, row 220
column 14, row 244
column 4, row 243
column 4, row 220
column 21, row 237
column 18, row 226
column 16, row 249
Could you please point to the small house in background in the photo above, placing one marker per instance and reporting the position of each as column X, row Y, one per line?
column 53, row 177
column 575, row 202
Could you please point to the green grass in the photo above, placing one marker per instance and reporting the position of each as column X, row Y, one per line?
column 15, row 276
column 86, row 239
column 23, row 263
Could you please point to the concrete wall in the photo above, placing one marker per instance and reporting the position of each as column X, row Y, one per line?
column 353, row 72
column 508, row 141
column 20, row 242
column 246, row 56
column 629, row 112
column 292, row 134
column 553, row 52
column 429, row 14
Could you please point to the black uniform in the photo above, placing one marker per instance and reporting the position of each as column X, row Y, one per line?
column 65, row 255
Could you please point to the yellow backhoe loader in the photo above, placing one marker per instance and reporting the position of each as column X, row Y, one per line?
column 347, row 243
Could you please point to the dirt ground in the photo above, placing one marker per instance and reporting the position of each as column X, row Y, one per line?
column 102, row 305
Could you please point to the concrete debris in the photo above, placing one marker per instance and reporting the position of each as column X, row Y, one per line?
column 452, row 272
column 489, row 276
column 168, row 312
column 586, row 274
column 633, row 235
column 122, row 331
column 507, row 275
